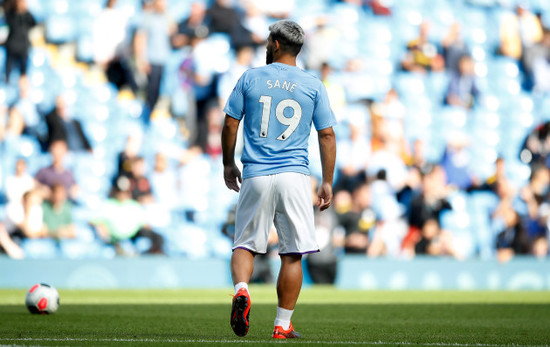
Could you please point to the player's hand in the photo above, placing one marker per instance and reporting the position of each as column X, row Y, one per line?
column 324, row 196
column 232, row 177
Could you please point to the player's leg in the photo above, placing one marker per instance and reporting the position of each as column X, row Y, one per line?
column 289, row 282
column 253, row 220
column 295, row 227
column 242, row 265
column 289, row 285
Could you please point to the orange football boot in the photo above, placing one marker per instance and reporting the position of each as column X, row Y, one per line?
column 240, row 312
column 280, row 333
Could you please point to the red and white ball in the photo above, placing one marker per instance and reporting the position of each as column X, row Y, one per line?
column 42, row 298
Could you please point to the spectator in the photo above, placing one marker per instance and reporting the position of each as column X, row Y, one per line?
column 153, row 47
column 321, row 43
column 111, row 46
column 519, row 31
column 140, row 187
column 454, row 48
column 214, row 119
column 335, row 90
column 126, row 157
column 8, row 246
column 56, row 173
column 490, row 184
column 24, row 116
column 456, row 162
column 273, row 9
column 164, row 183
column 507, row 225
column 19, row 21
column 390, row 159
column 19, row 183
column 122, row 218
column 540, row 247
column 225, row 19
column 462, row 91
column 412, row 186
column 256, row 21
column 195, row 25
column 434, row 241
column 4, row 121
column 422, row 55
column 243, row 62
column 418, row 155
column 428, row 204
column 540, row 61
column 198, row 78
column 24, row 219
column 536, row 147
column 387, row 119
column 61, row 126
column 533, row 195
column 380, row 7
column 58, row 216
column 353, row 155
column 322, row 266
column 357, row 217
column 391, row 226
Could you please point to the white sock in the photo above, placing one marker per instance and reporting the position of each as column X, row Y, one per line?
column 283, row 317
column 241, row 285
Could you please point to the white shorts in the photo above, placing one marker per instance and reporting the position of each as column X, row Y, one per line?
column 283, row 200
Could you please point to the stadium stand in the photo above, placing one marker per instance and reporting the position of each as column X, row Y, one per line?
column 493, row 214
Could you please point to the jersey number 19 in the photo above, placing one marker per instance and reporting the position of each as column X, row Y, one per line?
column 291, row 122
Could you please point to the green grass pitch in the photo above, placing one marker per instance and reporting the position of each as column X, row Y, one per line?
column 324, row 315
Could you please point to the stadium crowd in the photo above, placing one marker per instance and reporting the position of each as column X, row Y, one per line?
column 111, row 115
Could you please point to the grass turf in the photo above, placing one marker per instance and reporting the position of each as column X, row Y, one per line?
column 324, row 316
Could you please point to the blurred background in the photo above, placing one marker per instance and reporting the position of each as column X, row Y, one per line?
column 110, row 149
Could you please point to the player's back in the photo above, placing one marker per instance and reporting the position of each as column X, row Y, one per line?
column 279, row 103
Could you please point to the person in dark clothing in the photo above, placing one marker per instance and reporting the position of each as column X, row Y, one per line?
column 427, row 204
column 322, row 266
column 225, row 19
column 195, row 25
column 62, row 127
column 19, row 21
column 140, row 186
column 152, row 48
column 431, row 201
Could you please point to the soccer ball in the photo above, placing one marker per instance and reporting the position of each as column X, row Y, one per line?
column 42, row 298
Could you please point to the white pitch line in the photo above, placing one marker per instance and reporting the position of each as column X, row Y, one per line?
column 382, row 343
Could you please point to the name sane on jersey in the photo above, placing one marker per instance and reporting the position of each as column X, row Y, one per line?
column 284, row 85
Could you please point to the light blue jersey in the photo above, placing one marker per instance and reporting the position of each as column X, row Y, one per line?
column 279, row 103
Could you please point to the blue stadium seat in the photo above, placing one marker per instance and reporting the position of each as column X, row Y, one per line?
column 410, row 85
column 437, row 85
column 40, row 248
column 87, row 8
column 188, row 240
column 179, row 9
column 3, row 59
column 78, row 249
column 61, row 29
column 38, row 8
column 85, row 48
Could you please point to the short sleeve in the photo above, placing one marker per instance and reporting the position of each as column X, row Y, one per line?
column 235, row 103
column 323, row 117
column 40, row 176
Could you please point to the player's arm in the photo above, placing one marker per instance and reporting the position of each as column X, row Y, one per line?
column 231, row 172
column 327, row 146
